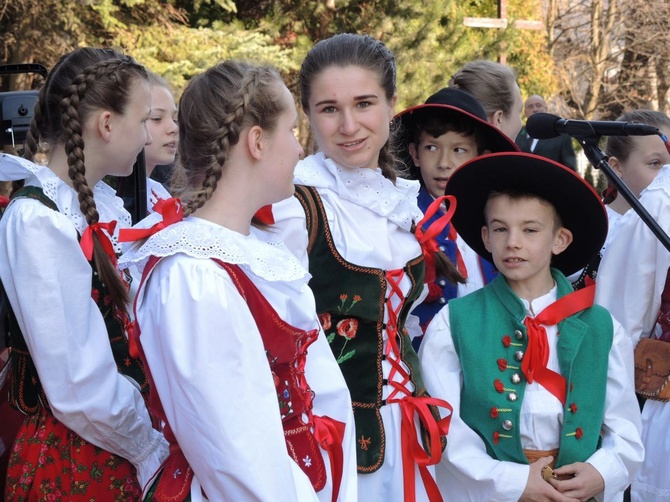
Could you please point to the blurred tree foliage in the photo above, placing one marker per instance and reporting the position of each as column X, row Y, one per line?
column 179, row 38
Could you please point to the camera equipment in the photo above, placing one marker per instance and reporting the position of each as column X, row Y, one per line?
column 16, row 107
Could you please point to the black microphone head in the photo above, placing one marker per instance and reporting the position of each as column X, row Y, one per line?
column 542, row 125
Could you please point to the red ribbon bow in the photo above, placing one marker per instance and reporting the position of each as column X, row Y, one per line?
column 534, row 365
column 172, row 211
column 330, row 435
column 86, row 242
column 427, row 238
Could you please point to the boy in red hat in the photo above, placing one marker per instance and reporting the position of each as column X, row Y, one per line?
column 540, row 378
column 440, row 135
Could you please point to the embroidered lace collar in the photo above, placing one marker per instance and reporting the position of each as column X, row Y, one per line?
column 261, row 252
column 365, row 187
column 110, row 207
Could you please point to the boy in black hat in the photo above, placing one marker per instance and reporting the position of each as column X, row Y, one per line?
column 449, row 129
column 539, row 376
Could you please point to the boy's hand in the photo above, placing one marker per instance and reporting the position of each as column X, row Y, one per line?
column 585, row 483
column 538, row 490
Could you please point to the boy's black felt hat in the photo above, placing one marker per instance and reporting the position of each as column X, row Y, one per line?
column 447, row 101
column 576, row 202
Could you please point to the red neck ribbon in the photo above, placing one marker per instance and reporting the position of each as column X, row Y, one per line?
column 264, row 215
column 534, row 365
column 172, row 212
column 427, row 238
column 86, row 242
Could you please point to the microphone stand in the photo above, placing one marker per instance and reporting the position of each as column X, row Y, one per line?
column 589, row 141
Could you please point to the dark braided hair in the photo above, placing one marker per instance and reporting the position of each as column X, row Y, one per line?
column 83, row 81
column 213, row 110
column 364, row 51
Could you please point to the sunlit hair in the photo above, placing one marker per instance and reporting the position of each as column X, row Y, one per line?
column 82, row 82
column 156, row 80
column 492, row 83
column 213, row 110
column 364, row 51
column 622, row 146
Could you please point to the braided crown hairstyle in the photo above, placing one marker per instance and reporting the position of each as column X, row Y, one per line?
column 85, row 80
column 364, row 51
column 213, row 110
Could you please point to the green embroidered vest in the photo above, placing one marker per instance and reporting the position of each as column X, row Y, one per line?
column 490, row 339
column 350, row 303
column 26, row 393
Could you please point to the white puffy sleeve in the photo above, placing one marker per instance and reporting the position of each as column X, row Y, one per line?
column 48, row 283
column 632, row 273
column 211, row 372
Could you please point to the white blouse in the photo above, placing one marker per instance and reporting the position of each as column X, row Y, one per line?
column 467, row 472
column 370, row 219
column 48, row 283
column 210, row 368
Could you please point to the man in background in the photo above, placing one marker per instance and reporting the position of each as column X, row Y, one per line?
column 559, row 148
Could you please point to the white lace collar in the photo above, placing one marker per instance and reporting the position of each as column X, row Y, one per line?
column 261, row 252
column 109, row 206
column 365, row 187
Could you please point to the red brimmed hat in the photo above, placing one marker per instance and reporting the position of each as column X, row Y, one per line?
column 576, row 202
column 447, row 101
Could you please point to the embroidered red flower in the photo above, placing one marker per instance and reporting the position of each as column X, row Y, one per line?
column 357, row 298
column 95, row 294
column 499, row 387
column 344, row 296
column 502, row 364
column 573, row 408
column 496, row 437
column 494, row 412
column 507, row 340
column 107, row 299
column 579, row 433
column 324, row 319
column 347, row 328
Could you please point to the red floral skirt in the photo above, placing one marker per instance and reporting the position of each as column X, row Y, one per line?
column 50, row 462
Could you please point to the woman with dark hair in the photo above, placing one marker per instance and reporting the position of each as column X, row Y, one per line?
column 353, row 223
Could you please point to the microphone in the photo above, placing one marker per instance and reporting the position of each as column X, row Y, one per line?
column 547, row 125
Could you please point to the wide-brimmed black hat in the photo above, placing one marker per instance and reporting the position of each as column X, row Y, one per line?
column 448, row 101
column 576, row 202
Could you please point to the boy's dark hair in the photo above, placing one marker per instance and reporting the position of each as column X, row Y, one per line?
column 436, row 125
column 515, row 195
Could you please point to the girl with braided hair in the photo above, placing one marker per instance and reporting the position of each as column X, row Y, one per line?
column 254, row 403
column 358, row 228
column 87, row 434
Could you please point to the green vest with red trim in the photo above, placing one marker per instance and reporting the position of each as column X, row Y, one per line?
column 490, row 338
column 350, row 301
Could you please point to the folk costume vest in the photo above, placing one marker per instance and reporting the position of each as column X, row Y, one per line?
column 286, row 348
column 26, row 393
column 491, row 339
column 351, row 310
